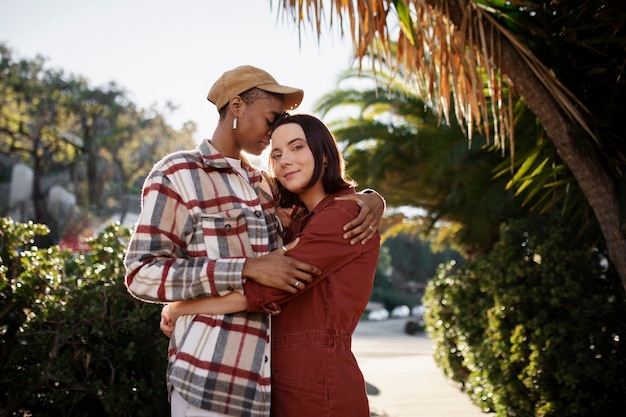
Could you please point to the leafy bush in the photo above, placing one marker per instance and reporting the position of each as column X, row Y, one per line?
column 535, row 328
column 74, row 342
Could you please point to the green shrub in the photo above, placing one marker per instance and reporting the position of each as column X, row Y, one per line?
column 74, row 342
column 535, row 328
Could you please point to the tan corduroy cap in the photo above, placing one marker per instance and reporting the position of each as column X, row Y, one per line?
column 245, row 77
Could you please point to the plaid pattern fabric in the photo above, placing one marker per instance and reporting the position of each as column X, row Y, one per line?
column 200, row 219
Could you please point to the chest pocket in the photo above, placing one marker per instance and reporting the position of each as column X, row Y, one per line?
column 222, row 235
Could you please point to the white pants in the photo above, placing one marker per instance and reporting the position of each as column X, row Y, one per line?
column 181, row 408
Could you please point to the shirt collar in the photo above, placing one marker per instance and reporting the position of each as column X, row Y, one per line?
column 213, row 158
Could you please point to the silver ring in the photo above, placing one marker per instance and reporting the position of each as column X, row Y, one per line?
column 284, row 249
column 296, row 284
column 370, row 227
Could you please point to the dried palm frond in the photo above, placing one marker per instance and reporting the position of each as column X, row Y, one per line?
column 450, row 50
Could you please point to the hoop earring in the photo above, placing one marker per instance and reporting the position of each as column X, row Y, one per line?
column 235, row 123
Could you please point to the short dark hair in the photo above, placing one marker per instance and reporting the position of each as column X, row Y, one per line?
column 322, row 143
column 252, row 95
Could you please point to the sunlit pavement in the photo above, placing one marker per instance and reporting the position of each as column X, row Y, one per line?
column 402, row 376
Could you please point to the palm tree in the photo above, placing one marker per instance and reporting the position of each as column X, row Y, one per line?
column 565, row 59
column 399, row 146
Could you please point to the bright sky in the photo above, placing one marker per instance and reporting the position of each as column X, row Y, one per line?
column 165, row 50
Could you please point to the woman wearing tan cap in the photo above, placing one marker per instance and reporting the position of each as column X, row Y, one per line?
column 208, row 225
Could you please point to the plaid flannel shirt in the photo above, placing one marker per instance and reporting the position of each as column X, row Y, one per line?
column 199, row 221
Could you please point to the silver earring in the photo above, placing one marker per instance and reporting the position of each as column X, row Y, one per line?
column 235, row 123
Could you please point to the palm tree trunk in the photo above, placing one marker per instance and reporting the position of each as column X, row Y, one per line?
column 578, row 153
column 576, row 150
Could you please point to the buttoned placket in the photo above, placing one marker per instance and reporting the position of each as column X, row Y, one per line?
column 266, row 370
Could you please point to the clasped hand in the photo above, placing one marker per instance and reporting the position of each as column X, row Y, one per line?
column 276, row 270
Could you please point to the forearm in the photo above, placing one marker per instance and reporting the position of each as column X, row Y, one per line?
column 363, row 227
column 165, row 279
column 379, row 200
column 230, row 303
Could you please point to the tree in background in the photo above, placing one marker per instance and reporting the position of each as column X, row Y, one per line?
column 32, row 116
column 565, row 59
column 137, row 142
column 104, row 144
column 94, row 113
column 399, row 146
